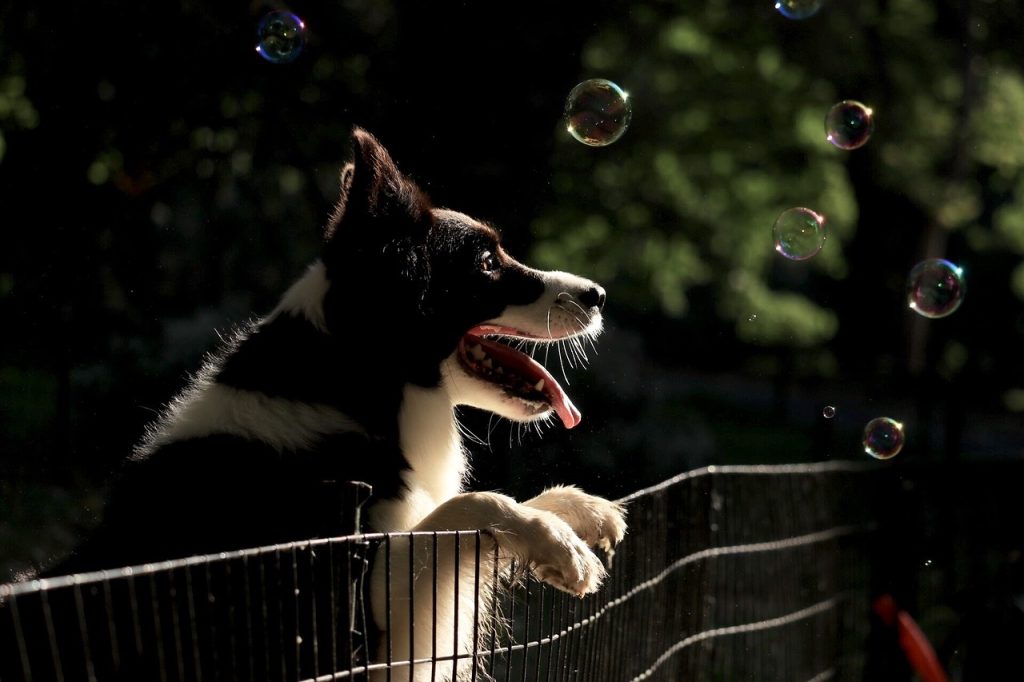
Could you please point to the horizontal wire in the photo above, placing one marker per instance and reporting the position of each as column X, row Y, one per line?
column 847, row 466
column 768, row 624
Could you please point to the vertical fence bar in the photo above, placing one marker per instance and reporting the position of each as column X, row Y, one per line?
column 278, row 575
column 433, row 629
column 526, row 626
column 296, row 594
column 387, row 599
column 198, row 667
column 136, row 619
column 108, row 606
column 332, row 612
column 412, row 608
column 51, row 634
column 19, row 636
column 83, row 631
column 540, row 634
column 179, row 654
column 232, row 615
column 211, row 619
column 313, row 612
column 455, row 608
column 158, row 628
column 495, row 616
column 512, row 621
column 263, row 609
column 476, row 605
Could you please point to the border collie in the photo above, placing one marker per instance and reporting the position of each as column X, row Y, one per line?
column 410, row 312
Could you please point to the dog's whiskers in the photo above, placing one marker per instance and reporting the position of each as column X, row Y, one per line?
column 467, row 433
column 547, row 347
column 490, row 430
column 558, row 348
column 581, row 331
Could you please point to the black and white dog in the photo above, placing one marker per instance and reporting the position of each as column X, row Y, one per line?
column 356, row 375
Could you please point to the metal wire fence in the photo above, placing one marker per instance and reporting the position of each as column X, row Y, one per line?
column 727, row 573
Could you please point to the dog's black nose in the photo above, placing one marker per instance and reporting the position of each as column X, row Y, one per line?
column 593, row 297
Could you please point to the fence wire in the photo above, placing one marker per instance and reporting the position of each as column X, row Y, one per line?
column 727, row 573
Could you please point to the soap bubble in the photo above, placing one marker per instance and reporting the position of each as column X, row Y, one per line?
column 798, row 9
column 597, row 112
column 883, row 438
column 849, row 124
column 281, row 37
column 799, row 233
column 828, row 412
column 935, row 288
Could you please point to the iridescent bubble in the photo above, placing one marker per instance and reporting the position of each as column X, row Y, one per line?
column 935, row 288
column 597, row 112
column 798, row 9
column 828, row 412
column 799, row 233
column 849, row 124
column 883, row 438
column 281, row 37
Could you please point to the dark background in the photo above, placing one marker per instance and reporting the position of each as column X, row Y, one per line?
column 160, row 181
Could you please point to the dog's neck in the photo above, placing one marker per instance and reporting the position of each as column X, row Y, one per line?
column 430, row 442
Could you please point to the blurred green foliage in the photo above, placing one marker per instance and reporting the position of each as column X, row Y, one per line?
column 728, row 133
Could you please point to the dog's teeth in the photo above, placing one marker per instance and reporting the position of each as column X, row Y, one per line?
column 477, row 352
column 539, row 386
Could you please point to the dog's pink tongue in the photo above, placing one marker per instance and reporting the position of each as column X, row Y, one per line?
column 526, row 366
column 564, row 408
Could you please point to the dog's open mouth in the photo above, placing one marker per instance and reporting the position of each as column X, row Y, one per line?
column 519, row 375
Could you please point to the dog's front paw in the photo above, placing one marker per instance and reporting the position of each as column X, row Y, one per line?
column 599, row 522
column 559, row 557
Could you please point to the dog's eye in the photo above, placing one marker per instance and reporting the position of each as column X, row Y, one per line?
column 488, row 262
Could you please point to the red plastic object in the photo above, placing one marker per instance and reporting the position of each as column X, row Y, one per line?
column 915, row 645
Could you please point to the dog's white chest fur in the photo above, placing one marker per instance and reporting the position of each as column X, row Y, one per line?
column 433, row 449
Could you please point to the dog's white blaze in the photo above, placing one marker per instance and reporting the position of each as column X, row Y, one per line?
column 437, row 462
column 306, row 297
column 208, row 409
column 557, row 312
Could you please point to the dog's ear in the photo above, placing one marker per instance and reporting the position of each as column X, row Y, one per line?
column 374, row 190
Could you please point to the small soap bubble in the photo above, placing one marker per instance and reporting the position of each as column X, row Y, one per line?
column 883, row 438
column 799, row 233
column 281, row 37
column 597, row 112
column 798, row 9
column 828, row 412
column 935, row 288
column 849, row 124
